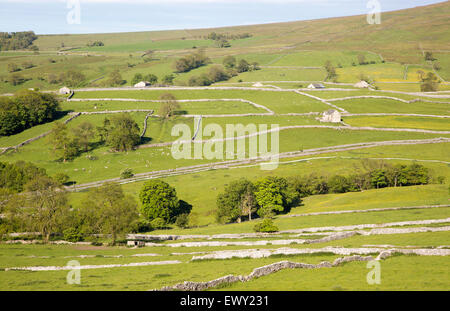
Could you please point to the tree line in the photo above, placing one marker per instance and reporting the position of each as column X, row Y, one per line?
column 267, row 197
column 217, row 73
column 17, row 40
column 192, row 61
column 26, row 109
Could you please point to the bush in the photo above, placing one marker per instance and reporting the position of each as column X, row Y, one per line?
column 61, row 178
column 126, row 173
column 266, row 225
column 182, row 221
column 72, row 235
column 158, row 223
column 202, row 80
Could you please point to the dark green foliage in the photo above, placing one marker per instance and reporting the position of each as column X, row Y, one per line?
column 237, row 200
column 95, row 43
column 121, row 133
column 341, row 184
column 274, row 195
column 429, row 56
column 266, row 225
column 126, row 173
column 61, row 178
column 16, row 176
column 218, row 36
column 108, row 210
column 151, row 78
column 168, row 79
column 73, row 235
column 158, row 200
column 26, row 109
column 243, row 66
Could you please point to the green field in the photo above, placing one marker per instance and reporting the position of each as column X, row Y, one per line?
column 291, row 56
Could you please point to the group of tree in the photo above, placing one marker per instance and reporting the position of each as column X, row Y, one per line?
column 26, row 109
column 227, row 36
column 17, row 40
column 429, row 82
column 67, row 143
column 222, row 39
column 14, row 176
column 95, row 43
column 274, row 195
column 215, row 74
column 120, row 133
column 44, row 208
column 191, row 61
column 266, row 197
column 233, row 65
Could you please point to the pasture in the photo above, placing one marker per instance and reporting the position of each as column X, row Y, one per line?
column 390, row 123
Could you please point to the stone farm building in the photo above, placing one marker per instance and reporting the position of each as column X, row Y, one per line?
column 362, row 84
column 316, row 86
column 64, row 90
column 142, row 84
column 332, row 116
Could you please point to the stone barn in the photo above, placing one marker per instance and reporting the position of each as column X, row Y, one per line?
column 316, row 86
column 142, row 84
column 332, row 116
column 64, row 90
column 362, row 85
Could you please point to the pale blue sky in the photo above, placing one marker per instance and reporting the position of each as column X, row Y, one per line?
column 50, row 16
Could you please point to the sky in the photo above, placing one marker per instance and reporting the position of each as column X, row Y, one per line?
column 102, row 16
